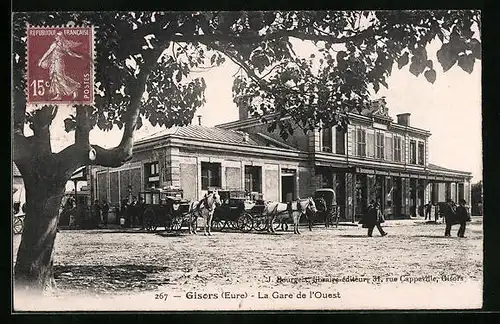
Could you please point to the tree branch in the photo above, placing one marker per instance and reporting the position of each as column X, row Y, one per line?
column 274, row 35
column 40, row 124
column 22, row 147
column 242, row 65
column 82, row 126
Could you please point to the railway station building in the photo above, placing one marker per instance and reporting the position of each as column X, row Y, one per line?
column 376, row 158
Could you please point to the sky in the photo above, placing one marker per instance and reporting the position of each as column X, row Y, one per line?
column 450, row 109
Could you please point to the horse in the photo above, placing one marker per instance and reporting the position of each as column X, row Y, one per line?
column 203, row 208
column 294, row 209
column 321, row 214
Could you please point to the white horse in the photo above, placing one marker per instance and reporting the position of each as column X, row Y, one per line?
column 204, row 208
column 294, row 209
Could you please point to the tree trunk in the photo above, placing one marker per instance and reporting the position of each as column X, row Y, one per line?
column 33, row 270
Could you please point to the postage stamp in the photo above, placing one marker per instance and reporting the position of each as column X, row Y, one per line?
column 60, row 65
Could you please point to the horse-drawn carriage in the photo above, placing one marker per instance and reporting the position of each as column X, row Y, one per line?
column 18, row 211
column 234, row 211
column 18, row 218
column 326, row 203
column 164, row 207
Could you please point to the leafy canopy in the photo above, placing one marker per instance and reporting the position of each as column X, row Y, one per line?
column 356, row 51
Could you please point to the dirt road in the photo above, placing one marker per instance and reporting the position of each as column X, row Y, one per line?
column 106, row 262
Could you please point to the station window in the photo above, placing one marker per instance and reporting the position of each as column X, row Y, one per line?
column 380, row 145
column 413, row 152
column 421, row 153
column 397, row 149
column 339, row 140
column 152, row 174
column 210, row 175
column 252, row 179
column 361, row 140
column 326, row 139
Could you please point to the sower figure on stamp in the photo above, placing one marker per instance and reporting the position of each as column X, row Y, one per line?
column 53, row 60
column 372, row 218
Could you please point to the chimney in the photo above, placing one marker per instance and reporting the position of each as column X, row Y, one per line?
column 199, row 119
column 245, row 137
column 243, row 113
column 404, row 119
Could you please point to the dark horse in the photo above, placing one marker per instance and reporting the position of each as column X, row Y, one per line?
column 455, row 215
column 324, row 213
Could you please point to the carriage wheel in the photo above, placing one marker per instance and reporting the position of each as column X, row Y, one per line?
column 259, row 223
column 176, row 224
column 18, row 225
column 234, row 225
column 230, row 224
column 245, row 223
column 218, row 225
column 150, row 219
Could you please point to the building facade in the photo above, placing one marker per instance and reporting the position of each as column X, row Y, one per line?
column 375, row 159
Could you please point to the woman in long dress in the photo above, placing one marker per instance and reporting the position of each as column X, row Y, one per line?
column 60, row 84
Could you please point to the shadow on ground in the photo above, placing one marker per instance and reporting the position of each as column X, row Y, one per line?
column 110, row 231
column 354, row 236
column 439, row 236
column 100, row 278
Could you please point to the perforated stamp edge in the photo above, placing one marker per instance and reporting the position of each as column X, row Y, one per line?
column 37, row 104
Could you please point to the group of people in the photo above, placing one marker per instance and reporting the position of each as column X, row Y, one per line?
column 453, row 214
column 99, row 213
column 131, row 213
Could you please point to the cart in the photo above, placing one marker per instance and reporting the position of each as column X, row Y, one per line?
column 18, row 223
column 163, row 208
column 232, row 213
column 326, row 203
column 18, row 211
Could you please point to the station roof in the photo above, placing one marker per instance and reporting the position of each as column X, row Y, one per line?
column 217, row 134
column 434, row 167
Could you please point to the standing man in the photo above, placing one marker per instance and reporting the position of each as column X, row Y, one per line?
column 140, row 212
column 428, row 208
column 450, row 216
column 133, row 211
column 462, row 217
column 123, row 213
column 105, row 211
column 96, row 214
column 372, row 218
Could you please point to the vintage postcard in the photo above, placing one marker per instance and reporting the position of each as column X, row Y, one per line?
column 247, row 160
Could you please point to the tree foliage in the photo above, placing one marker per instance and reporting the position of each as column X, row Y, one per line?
column 356, row 52
column 142, row 70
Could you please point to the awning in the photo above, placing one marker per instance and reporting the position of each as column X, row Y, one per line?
column 412, row 175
